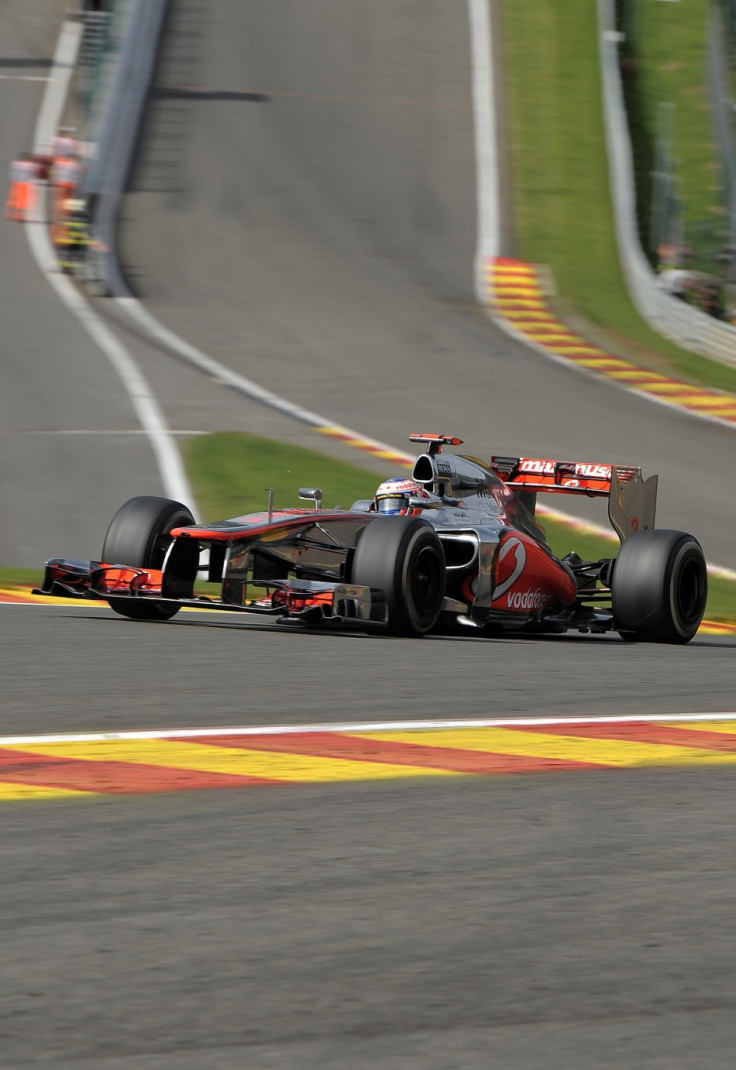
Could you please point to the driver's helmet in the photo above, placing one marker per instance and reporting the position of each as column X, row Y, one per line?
column 392, row 497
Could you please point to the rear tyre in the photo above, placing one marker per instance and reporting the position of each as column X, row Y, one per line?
column 139, row 536
column 659, row 587
column 403, row 557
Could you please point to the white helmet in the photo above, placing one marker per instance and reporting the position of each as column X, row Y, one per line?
column 392, row 497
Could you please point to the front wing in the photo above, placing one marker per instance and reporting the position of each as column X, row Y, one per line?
column 287, row 599
column 290, row 601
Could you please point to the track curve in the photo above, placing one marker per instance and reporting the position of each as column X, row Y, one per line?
column 71, row 444
column 322, row 167
column 527, row 920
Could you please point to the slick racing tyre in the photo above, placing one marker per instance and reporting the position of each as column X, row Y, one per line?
column 659, row 587
column 139, row 536
column 403, row 557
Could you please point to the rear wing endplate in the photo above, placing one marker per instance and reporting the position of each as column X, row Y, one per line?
column 632, row 505
column 632, row 500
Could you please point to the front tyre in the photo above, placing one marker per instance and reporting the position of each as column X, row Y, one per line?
column 403, row 557
column 659, row 587
column 139, row 535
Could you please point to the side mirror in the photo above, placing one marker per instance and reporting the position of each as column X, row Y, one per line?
column 312, row 494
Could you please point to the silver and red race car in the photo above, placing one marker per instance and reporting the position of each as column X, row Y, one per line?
column 463, row 550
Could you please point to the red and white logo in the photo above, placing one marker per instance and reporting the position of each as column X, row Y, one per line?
column 593, row 471
column 538, row 467
column 510, row 565
column 526, row 599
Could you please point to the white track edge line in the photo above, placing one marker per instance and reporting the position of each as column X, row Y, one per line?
column 145, row 319
column 601, row 377
column 486, row 149
column 360, row 726
column 487, row 239
column 487, row 245
column 142, row 398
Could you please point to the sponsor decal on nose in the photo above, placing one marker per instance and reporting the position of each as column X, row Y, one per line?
column 526, row 599
column 511, row 555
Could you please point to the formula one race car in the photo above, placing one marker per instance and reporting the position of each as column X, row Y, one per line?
column 455, row 545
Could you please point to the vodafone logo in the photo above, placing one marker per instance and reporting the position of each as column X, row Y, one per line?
column 512, row 555
column 526, row 599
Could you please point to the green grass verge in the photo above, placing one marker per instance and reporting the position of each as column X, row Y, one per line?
column 20, row 577
column 670, row 47
column 232, row 471
column 559, row 176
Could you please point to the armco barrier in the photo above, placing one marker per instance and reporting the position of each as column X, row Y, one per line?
column 683, row 324
column 119, row 127
column 669, row 316
column 516, row 292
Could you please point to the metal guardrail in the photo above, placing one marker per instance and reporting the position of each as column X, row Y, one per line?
column 127, row 80
column 687, row 326
column 103, row 34
column 722, row 103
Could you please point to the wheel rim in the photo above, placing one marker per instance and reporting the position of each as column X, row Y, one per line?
column 427, row 575
column 690, row 592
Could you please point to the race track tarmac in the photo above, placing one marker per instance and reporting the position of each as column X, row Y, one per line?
column 579, row 916
column 329, row 192
column 303, row 208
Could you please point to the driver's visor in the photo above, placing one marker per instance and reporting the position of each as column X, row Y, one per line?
column 394, row 503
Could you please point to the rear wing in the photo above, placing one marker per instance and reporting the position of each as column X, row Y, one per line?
column 632, row 501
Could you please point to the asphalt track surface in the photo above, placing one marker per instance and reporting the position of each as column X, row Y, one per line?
column 531, row 921
column 65, row 424
column 324, row 181
column 545, row 920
